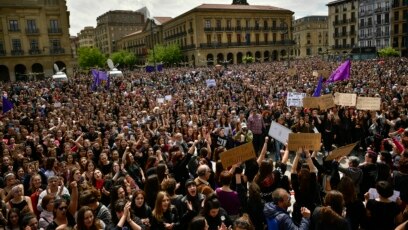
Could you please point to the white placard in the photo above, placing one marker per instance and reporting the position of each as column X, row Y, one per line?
column 374, row 194
column 168, row 97
column 211, row 83
column 279, row 132
column 160, row 100
column 295, row 99
column 57, row 104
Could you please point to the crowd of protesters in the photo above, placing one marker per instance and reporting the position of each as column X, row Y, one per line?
column 145, row 152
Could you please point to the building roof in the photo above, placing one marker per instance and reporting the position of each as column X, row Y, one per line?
column 162, row 20
column 134, row 33
column 312, row 18
column 337, row 2
column 236, row 7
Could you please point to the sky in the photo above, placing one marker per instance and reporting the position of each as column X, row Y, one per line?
column 84, row 13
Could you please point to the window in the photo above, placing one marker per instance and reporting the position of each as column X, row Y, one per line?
column 257, row 24
column 54, row 24
column 208, row 39
column 396, row 29
column 273, row 24
column 218, row 23
column 55, row 44
column 265, row 24
column 396, row 15
column 1, row 46
column 16, row 44
column 13, row 24
column 387, row 18
column 266, row 37
column 247, row 23
column 378, row 18
column 344, row 42
column 229, row 40
column 31, row 26
column 207, row 24
column 192, row 40
column 34, row 44
column 274, row 37
column 229, row 23
column 239, row 38
column 238, row 23
column 257, row 39
column 219, row 38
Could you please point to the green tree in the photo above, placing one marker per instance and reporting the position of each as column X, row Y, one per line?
column 90, row 57
column 123, row 58
column 388, row 52
column 248, row 59
column 168, row 54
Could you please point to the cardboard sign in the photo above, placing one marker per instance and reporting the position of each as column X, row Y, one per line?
column 279, row 132
column 341, row 152
column 345, row 99
column 311, row 102
column 211, row 83
column 238, row 154
column 292, row 72
column 168, row 97
column 310, row 141
column 326, row 102
column 295, row 99
column 368, row 103
column 323, row 73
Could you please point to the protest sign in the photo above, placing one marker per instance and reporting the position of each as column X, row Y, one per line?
column 309, row 141
column 160, row 100
column 279, row 132
column 292, row 72
column 368, row 103
column 345, row 99
column 211, row 83
column 326, row 102
column 295, row 99
column 238, row 154
column 311, row 102
column 341, row 152
column 323, row 73
column 168, row 97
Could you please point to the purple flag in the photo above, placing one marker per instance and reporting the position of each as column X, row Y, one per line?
column 149, row 69
column 160, row 67
column 103, row 76
column 341, row 73
column 7, row 105
column 95, row 82
column 318, row 90
column 108, row 83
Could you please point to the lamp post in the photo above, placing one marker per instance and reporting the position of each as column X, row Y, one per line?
column 285, row 31
column 154, row 54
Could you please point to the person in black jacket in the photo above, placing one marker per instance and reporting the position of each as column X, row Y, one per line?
column 123, row 216
column 216, row 216
column 164, row 215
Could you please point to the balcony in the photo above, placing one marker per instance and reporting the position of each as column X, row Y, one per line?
column 17, row 52
column 34, row 52
column 57, row 51
column 207, row 29
column 218, row 28
column 229, row 28
column 238, row 28
column 279, row 29
column 2, row 53
column 340, row 34
column 179, row 34
column 32, row 31
column 244, row 44
column 347, row 46
column 188, row 47
column 54, row 30
column 14, row 30
column 190, row 30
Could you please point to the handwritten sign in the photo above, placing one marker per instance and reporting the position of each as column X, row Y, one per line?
column 341, row 152
column 168, row 97
column 310, row 141
column 368, row 103
column 279, row 132
column 311, row 102
column 210, row 83
column 292, row 72
column 295, row 99
column 345, row 99
column 326, row 102
column 238, row 154
column 160, row 100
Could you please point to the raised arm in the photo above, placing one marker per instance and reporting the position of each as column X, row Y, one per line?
column 296, row 161
column 263, row 152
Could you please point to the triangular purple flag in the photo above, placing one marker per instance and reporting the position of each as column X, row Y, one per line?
column 7, row 105
column 318, row 90
column 341, row 73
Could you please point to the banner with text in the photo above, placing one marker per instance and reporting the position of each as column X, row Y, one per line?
column 309, row 141
column 295, row 99
column 238, row 154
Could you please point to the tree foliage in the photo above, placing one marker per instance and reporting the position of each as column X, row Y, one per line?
column 169, row 54
column 123, row 58
column 248, row 59
column 90, row 57
column 388, row 52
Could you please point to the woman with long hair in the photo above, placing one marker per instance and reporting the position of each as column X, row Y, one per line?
column 13, row 219
column 152, row 187
column 140, row 207
column 36, row 187
column 46, row 216
column 355, row 209
column 87, row 221
column 62, row 215
column 330, row 215
column 255, row 205
column 89, row 171
column 104, row 163
column 164, row 215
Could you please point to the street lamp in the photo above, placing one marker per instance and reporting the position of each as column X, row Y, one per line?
column 285, row 31
column 152, row 35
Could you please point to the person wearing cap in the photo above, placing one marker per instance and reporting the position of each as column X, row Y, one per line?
column 244, row 135
column 190, row 203
column 369, row 168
